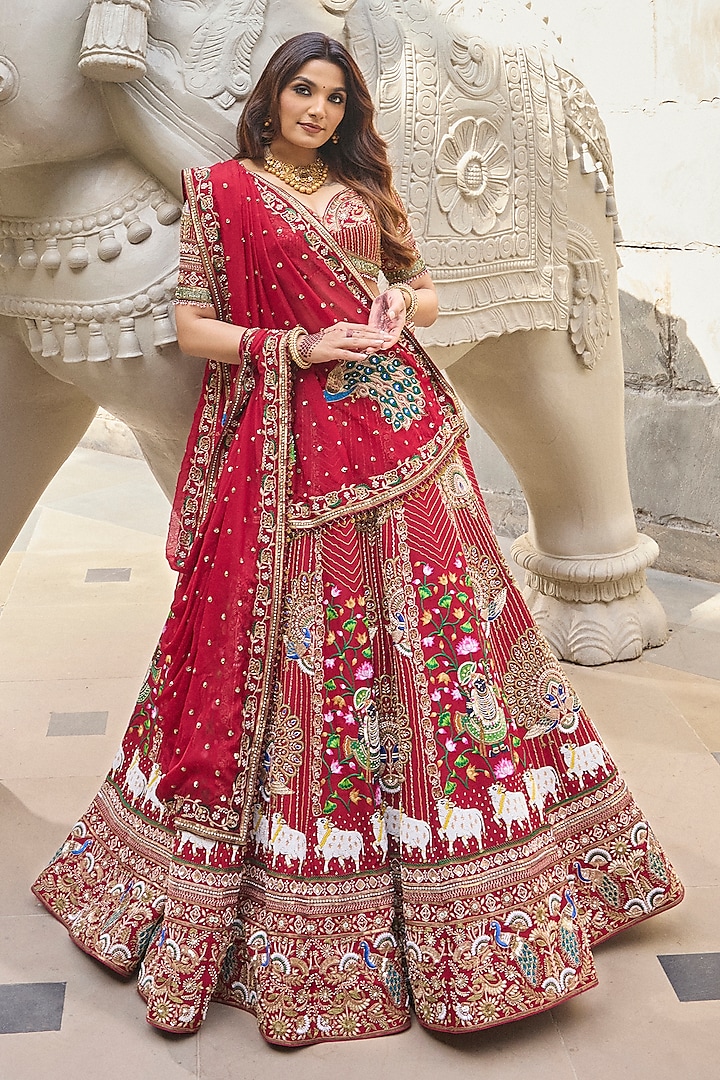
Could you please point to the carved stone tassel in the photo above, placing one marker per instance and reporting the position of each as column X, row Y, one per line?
column 128, row 343
column 50, row 345
column 163, row 330
column 570, row 148
column 78, row 256
column 109, row 247
column 72, row 347
column 29, row 257
column 610, row 203
column 115, row 41
column 33, row 336
column 98, row 348
column 8, row 257
column 601, row 181
column 51, row 259
column 587, row 165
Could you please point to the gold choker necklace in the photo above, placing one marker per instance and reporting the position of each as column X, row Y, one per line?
column 304, row 178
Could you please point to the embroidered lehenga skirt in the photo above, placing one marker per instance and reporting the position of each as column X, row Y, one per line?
column 435, row 818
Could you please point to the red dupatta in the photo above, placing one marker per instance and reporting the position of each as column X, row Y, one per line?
column 270, row 265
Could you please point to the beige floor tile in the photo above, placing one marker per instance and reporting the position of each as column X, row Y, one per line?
column 44, row 579
column 697, row 698
column 61, row 531
column 681, row 597
column 26, row 750
column 8, row 572
column 513, row 1052
column 706, row 615
column 103, row 1036
column 690, row 648
column 665, row 764
column 35, row 818
column 632, row 1027
column 76, row 641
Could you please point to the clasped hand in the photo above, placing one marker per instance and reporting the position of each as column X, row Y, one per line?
column 356, row 341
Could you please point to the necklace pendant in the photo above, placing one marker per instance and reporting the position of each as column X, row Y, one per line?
column 305, row 179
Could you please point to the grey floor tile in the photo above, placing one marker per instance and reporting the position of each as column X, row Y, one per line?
column 28, row 1007
column 694, row 976
column 108, row 573
column 716, row 755
column 77, row 723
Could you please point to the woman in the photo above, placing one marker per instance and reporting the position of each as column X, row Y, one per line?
column 355, row 775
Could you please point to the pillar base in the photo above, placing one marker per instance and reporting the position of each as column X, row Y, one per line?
column 595, row 609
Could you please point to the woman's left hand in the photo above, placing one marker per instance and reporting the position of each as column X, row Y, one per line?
column 388, row 314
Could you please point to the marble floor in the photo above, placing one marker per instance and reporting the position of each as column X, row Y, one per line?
column 84, row 593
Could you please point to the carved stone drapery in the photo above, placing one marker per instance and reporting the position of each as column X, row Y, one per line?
column 590, row 310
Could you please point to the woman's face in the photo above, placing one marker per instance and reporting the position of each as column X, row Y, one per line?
column 310, row 108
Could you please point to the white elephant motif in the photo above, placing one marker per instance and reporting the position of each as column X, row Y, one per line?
column 502, row 160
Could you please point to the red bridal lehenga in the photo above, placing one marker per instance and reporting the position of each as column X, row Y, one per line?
column 356, row 778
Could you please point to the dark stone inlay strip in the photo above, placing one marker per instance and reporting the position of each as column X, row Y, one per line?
column 716, row 755
column 28, row 1007
column 108, row 573
column 77, row 723
column 693, row 976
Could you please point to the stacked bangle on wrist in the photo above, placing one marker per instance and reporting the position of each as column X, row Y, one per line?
column 306, row 346
column 411, row 300
column 293, row 347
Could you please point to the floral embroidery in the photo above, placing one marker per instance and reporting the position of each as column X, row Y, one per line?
column 351, row 733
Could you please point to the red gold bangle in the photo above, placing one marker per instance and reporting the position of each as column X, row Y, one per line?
column 292, row 339
column 411, row 300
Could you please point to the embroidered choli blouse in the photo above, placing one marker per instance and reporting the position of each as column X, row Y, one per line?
column 350, row 221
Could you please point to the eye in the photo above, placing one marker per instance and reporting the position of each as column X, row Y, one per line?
column 301, row 89
column 337, row 99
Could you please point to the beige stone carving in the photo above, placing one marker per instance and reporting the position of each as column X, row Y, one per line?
column 503, row 162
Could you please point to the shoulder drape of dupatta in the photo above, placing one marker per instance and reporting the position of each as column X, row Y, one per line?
column 264, row 370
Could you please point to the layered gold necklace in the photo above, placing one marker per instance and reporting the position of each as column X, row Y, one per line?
column 303, row 178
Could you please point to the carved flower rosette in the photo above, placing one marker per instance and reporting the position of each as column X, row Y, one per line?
column 473, row 176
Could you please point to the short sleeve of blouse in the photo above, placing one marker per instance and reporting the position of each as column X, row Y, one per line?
column 398, row 274
column 192, row 286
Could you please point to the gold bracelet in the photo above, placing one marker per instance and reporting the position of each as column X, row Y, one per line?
column 411, row 299
column 293, row 336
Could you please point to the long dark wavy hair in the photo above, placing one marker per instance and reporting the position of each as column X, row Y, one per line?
column 359, row 159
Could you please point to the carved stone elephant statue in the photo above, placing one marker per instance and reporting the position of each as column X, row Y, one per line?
column 499, row 154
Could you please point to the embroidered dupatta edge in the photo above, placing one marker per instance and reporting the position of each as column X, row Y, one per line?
column 226, row 391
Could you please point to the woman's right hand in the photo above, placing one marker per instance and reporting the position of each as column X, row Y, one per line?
column 343, row 341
